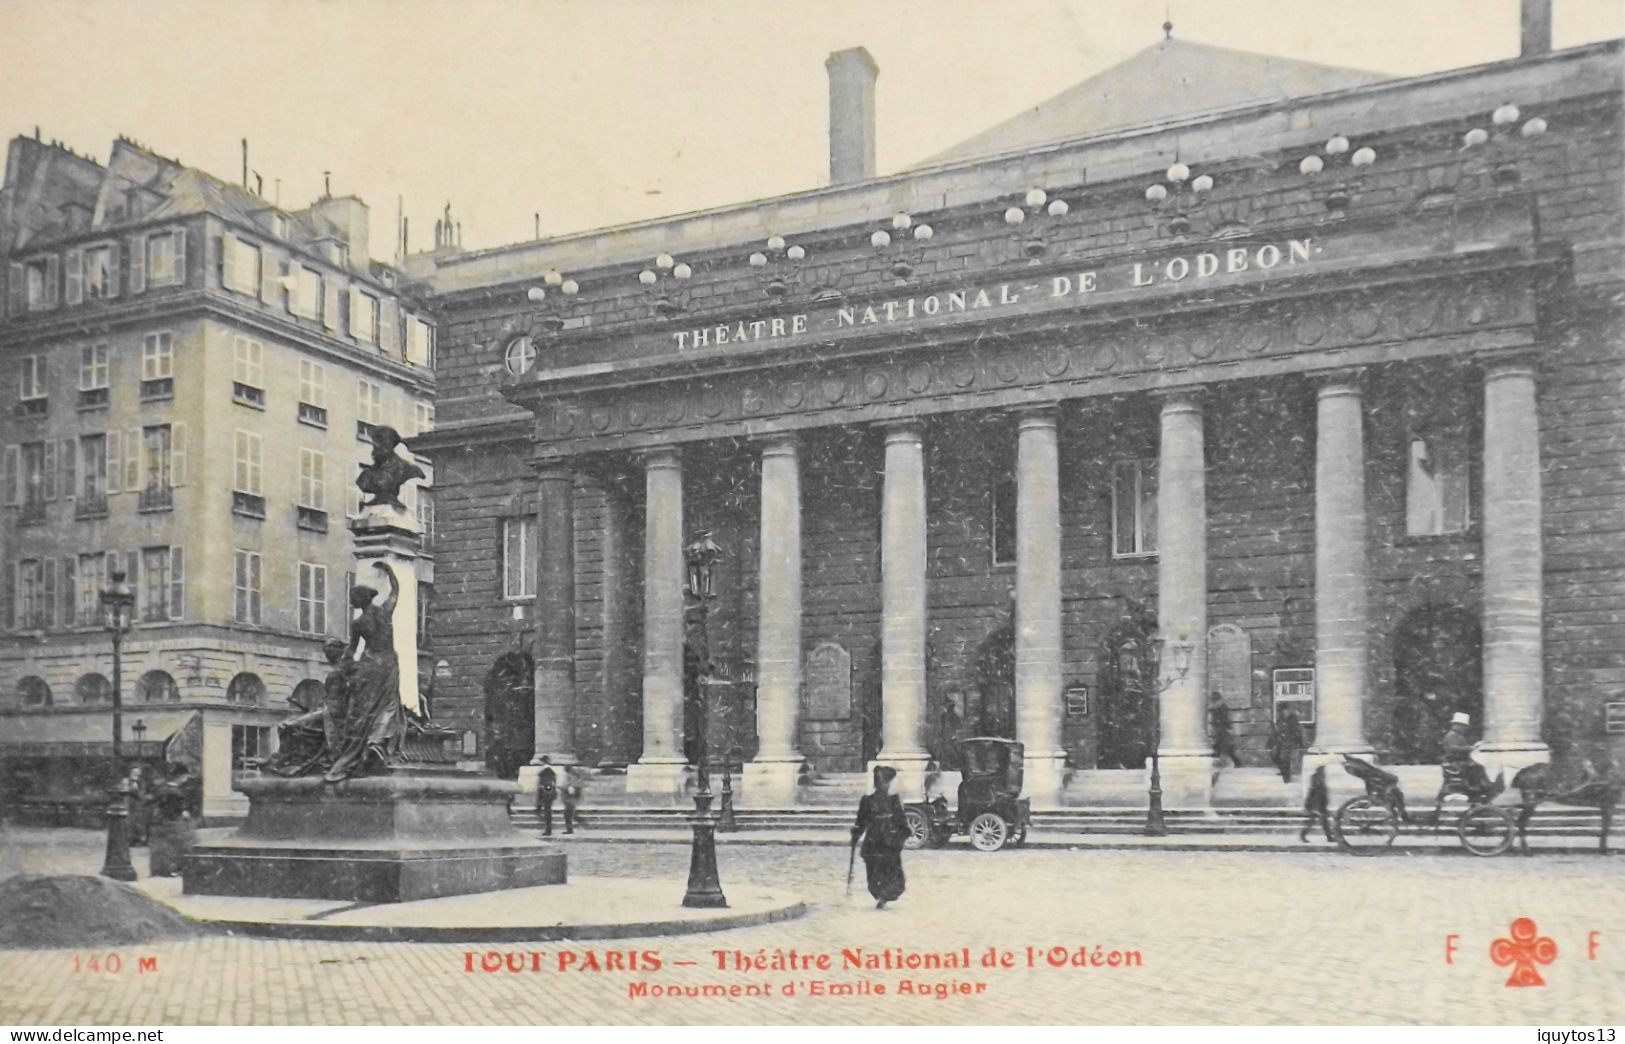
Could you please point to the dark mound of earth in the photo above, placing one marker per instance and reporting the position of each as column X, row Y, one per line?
column 67, row 910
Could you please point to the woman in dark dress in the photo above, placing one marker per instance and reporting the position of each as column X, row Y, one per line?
column 883, row 829
column 173, row 828
column 375, row 722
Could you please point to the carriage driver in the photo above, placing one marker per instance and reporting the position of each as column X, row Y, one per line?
column 1458, row 754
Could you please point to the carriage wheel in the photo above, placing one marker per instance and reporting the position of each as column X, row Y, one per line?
column 1365, row 827
column 988, row 832
column 1485, row 830
column 919, row 829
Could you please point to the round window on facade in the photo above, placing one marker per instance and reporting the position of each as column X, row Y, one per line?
column 246, row 688
column 93, row 688
column 157, row 687
column 33, row 692
column 520, row 358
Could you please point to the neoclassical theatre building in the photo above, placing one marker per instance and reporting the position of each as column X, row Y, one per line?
column 1291, row 386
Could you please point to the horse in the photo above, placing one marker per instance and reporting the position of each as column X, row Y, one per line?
column 1561, row 785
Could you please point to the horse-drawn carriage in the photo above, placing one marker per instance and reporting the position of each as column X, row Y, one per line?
column 990, row 809
column 1367, row 825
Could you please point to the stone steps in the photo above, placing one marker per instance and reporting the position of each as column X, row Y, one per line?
column 1121, row 820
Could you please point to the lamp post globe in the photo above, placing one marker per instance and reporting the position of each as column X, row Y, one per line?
column 118, row 606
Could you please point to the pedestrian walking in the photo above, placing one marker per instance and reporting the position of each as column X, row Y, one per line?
column 571, row 794
column 1317, row 805
column 1286, row 743
column 1224, row 737
column 547, row 792
column 140, row 798
column 174, row 831
column 882, row 828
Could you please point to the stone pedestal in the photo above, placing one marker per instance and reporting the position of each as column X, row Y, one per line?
column 409, row 834
column 658, row 777
column 384, row 535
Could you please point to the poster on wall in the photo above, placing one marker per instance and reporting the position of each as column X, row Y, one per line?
column 1294, row 689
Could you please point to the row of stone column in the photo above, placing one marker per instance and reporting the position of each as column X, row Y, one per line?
column 1511, row 598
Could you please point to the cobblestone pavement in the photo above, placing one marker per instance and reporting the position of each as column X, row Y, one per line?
column 1223, row 937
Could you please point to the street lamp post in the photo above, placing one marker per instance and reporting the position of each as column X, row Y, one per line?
column 140, row 730
column 1180, row 653
column 704, row 884
column 118, row 605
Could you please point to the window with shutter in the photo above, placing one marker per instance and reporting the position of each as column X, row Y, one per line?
column 75, row 292
column 132, row 460
column 112, row 464
column 70, row 470
column 69, row 609
column 48, row 475
column 138, row 264
column 16, row 289
column 177, row 583
column 12, row 477
column 177, row 453
column 53, row 279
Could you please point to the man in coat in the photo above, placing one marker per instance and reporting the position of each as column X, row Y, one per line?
column 547, row 791
column 1224, row 737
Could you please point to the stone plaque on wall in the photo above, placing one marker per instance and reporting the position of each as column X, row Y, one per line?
column 829, row 683
column 1230, row 665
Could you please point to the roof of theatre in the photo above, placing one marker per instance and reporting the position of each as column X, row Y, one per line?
column 1168, row 80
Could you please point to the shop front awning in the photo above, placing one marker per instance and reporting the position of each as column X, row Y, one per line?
column 88, row 735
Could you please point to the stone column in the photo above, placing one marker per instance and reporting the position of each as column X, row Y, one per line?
column 903, row 619
column 662, row 768
column 555, row 648
column 1186, row 754
column 1341, row 578
column 1038, row 605
column 770, row 779
column 1513, row 669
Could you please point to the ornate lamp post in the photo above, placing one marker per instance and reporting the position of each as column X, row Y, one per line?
column 118, row 607
column 704, row 886
column 140, row 730
column 1178, row 656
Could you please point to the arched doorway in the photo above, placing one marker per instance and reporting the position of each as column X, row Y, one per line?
column 1127, row 671
column 994, row 713
column 510, row 713
column 1437, row 672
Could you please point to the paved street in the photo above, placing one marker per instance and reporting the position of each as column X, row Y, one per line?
column 1223, row 937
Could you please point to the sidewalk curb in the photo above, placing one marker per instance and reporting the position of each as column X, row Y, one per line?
column 315, row 930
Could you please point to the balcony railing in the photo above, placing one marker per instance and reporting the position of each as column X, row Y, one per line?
column 93, row 398
column 32, row 513
column 90, row 505
column 363, row 431
column 313, row 519
column 248, row 395
column 158, row 388
column 34, row 407
column 251, row 505
column 157, row 498
column 315, row 416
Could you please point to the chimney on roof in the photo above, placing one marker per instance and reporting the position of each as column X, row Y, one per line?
column 1536, row 21
column 852, row 75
